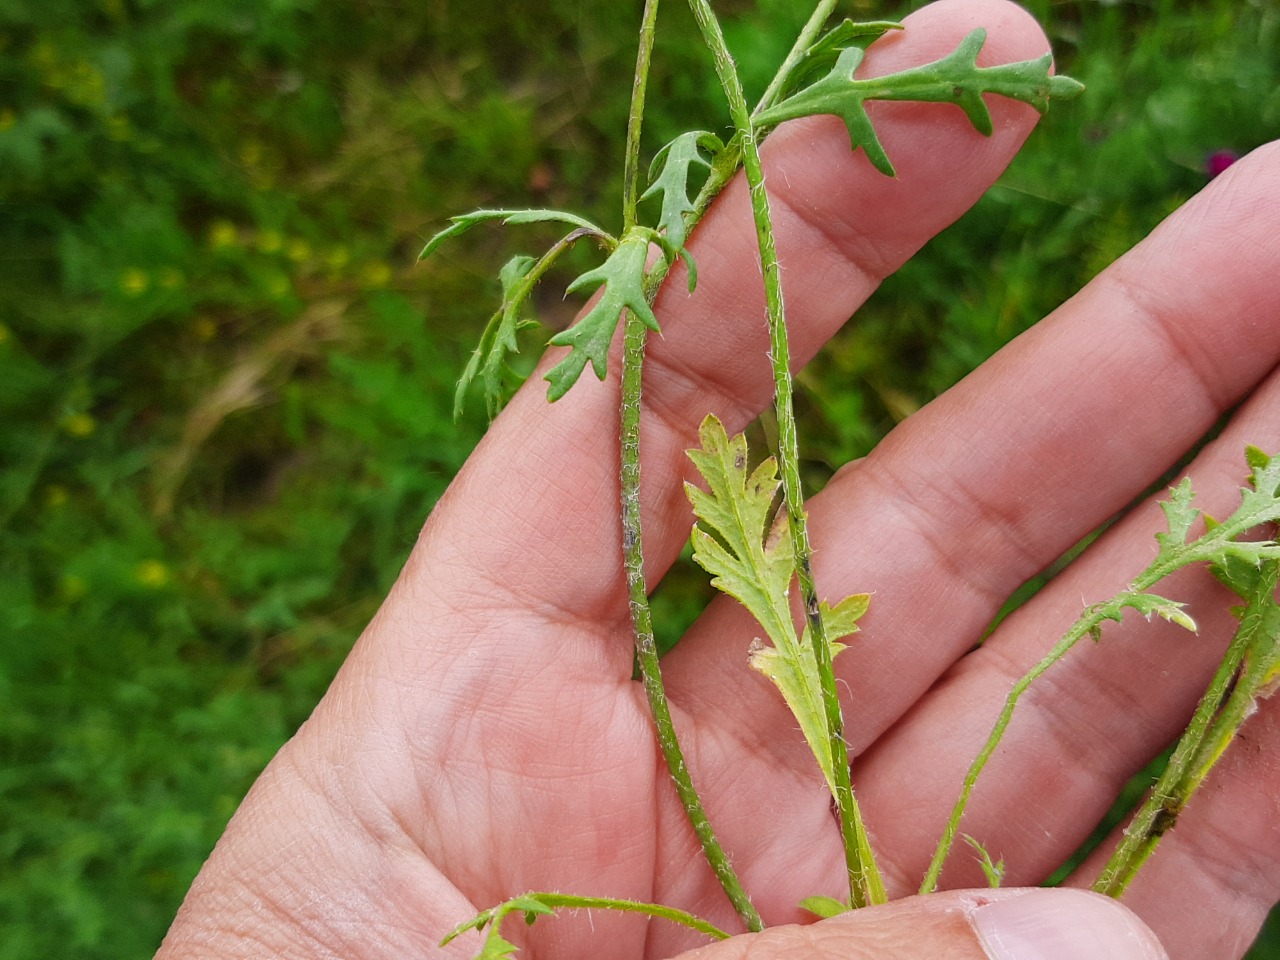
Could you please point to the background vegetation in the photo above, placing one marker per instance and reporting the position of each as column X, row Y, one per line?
column 225, row 387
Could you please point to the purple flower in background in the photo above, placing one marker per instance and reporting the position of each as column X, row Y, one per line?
column 1218, row 161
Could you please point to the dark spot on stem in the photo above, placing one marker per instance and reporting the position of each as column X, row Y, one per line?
column 1166, row 818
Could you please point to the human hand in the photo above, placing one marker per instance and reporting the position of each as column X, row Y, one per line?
column 485, row 736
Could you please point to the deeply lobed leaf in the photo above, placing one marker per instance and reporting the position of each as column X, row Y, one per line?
column 956, row 78
column 622, row 277
column 732, row 541
column 677, row 160
column 489, row 360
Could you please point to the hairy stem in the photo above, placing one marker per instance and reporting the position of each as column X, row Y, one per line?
column 682, row 917
column 808, row 34
column 1169, row 560
column 635, row 117
column 865, row 883
column 632, row 540
column 1223, row 708
column 642, row 624
column 1085, row 625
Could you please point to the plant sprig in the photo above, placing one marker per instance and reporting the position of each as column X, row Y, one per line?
column 1218, row 545
column 532, row 906
column 1247, row 673
column 746, row 564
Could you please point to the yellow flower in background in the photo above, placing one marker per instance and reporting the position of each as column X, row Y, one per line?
column 298, row 250
column 134, row 282
column 269, row 241
column 377, row 274
column 79, row 425
column 5, row 335
column 73, row 587
column 7, row 119
column 223, row 234
column 151, row 573
column 56, row 496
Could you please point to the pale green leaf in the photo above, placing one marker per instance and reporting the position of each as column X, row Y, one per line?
column 732, row 542
column 622, row 276
column 795, row 673
column 824, row 907
column 956, row 78
column 729, row 539
column 1260, row 501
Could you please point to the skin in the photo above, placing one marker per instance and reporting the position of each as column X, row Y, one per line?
column 485, row 737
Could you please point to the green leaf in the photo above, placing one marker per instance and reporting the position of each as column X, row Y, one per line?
column 489, row 359
column 677, row 159
column 623, row 278
column 1179, row 513
column 824, row 907
column 842, row 619
column 461, row 224
column 956, row 78
column 530, row 906
column 478, row 922
column 733, row 523
column 826, row 50
column 991, row 869
column 1148, row 605
column 732, row 542
column 497, row 947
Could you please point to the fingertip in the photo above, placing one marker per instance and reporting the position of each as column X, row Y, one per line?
column 1062, row 924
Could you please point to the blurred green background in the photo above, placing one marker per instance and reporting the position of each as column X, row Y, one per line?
column 225, row 386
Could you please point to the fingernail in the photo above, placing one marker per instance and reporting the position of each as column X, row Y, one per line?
column 1063, row 924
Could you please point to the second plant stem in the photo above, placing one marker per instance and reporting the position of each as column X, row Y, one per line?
column 865, row 883
column 632, row 541
column 1225, row 705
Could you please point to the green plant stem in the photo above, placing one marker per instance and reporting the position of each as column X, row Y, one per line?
column 632, row 539
column 1169, row 560
column 642, row 625
column 635, row 117
column 1087, row 623
column 1223, row 708
column 865, row 883
column 682, row 917
column 808, row 34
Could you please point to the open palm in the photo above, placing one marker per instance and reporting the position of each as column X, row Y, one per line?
column 486, row 737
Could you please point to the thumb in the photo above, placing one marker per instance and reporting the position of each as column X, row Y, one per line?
column 1013, row 924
